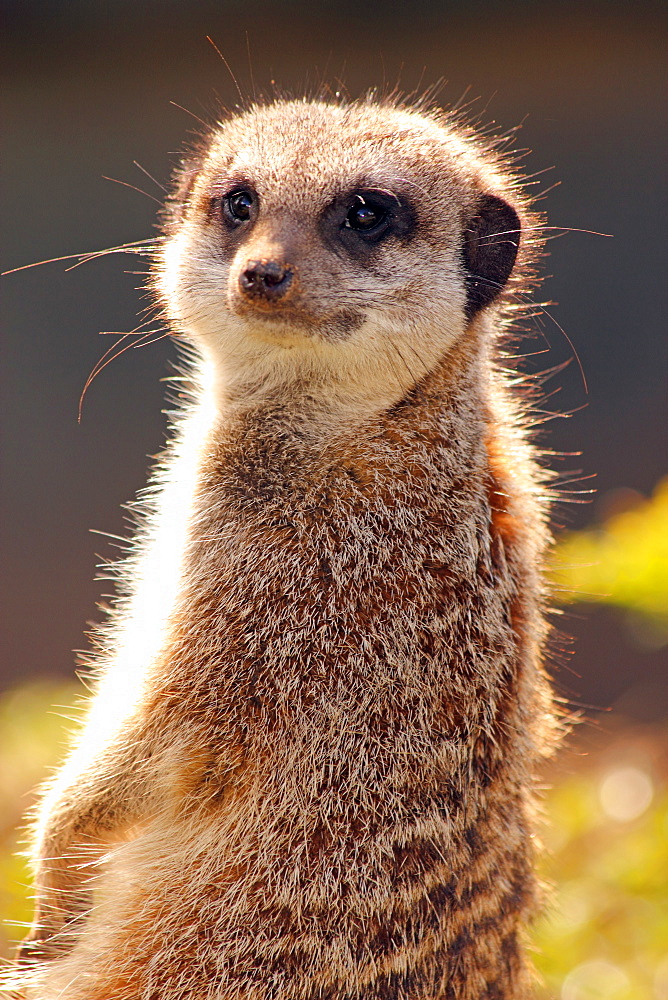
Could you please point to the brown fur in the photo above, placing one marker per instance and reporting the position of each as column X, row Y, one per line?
column 307, row 773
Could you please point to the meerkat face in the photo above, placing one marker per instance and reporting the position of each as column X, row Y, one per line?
column 347, row 246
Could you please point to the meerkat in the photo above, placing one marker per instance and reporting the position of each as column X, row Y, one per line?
column 307, row 769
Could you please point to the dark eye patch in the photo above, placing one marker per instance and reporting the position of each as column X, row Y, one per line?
column 362, row 218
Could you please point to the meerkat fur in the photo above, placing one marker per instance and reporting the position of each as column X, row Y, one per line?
column 308, row 765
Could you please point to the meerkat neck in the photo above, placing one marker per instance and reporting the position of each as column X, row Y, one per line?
column 321, row 380
column 300, row 417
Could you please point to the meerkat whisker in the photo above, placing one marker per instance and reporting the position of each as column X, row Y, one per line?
column 139, row 247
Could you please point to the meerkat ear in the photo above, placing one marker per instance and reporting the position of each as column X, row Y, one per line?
column 491, row 239
column 183, row 181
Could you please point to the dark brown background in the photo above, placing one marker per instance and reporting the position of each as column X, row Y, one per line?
column 87, row 90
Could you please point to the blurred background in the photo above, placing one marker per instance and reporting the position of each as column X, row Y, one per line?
column 90, row 87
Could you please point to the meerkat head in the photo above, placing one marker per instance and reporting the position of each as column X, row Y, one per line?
column 340, row 248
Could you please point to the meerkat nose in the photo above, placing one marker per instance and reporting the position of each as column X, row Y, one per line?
column 265, row 279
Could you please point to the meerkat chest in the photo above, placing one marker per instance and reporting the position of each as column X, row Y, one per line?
column 340, row 530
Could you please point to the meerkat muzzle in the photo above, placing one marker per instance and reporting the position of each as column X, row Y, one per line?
column 266, row 280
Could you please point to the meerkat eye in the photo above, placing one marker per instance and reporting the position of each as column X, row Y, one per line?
column 237, row 206
column 360, row 219
column 365, row 216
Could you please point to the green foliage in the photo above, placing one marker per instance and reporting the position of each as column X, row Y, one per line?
column 624, row 562
column 604, row 934
column 33, row 731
